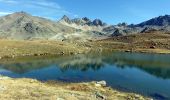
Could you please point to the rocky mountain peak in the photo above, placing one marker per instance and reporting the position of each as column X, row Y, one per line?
column 86, row 19
column 122, row 24
column 98, row 22
column 66, row 19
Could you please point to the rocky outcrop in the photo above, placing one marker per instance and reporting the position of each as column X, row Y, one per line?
column 149, row 30
column 98, row 22
column 66, row 19
column 121, row 30
column 83, row 21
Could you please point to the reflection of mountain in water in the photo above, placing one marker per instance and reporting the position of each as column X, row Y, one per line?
column 82, row 63
column 79, row 62
column 157, row 65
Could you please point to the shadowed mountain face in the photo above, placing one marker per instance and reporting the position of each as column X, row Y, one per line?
column 21, row 25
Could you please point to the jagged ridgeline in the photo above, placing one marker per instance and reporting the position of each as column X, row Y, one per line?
column 23, row 26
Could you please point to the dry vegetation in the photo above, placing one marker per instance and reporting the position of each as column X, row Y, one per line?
column 14, row 48
column 144, row 42
column 29, row 89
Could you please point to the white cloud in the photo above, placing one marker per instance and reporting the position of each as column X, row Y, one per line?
column 4, row 13
column 47, row 4
column 9, row 1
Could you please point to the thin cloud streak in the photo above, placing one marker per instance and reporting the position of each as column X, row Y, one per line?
column 42, row 5
column 9, row 1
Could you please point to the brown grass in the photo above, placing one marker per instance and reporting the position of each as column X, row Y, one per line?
column 13, row 48
column 146, row 42
column 29, row 89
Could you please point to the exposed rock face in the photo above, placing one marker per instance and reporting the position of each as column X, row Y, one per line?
column 109, row 29
column 98, row 22
column 66, row 19
column 83, row 21
column 161, row 23
column 148, row 30
column 86, row 19
column 118, row 32
column 79, row 21
column 121, row 29
column 21, row 25
column 122, row 24
column 30, row 28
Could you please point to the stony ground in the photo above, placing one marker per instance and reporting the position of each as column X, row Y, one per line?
column 29, row 89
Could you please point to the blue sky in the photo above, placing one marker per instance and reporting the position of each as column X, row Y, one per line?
column 110, row 11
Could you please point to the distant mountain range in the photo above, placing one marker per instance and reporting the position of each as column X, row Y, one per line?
column 23, row 26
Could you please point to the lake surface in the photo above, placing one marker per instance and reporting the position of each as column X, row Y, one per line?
column 146, row 74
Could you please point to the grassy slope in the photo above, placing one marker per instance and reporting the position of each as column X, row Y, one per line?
column 147, row 42
column 12, row 48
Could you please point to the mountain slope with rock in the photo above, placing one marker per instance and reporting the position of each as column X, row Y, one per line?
column 23, row 26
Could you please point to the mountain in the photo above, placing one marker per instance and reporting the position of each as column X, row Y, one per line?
column 88, row 28
column 21, row 25
column 161, row 23
column 158, row 21
column 82, row 21
column 65, row 19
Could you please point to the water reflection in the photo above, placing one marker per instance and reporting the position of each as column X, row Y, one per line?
column 147, row 74
column 157, row 65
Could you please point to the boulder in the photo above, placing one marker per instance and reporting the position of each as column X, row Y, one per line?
column 101, row 84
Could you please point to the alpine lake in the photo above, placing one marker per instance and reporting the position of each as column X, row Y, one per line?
column 142, row 73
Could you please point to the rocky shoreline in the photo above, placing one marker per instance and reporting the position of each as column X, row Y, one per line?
column 23, row 88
